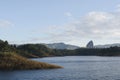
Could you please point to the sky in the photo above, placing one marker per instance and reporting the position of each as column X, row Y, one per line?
column 73, row 22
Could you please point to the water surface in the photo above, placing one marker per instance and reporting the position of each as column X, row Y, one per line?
column 75, row 68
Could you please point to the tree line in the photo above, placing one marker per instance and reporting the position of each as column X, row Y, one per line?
column 40, row 50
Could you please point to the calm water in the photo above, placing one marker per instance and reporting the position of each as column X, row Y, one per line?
column 75, row 68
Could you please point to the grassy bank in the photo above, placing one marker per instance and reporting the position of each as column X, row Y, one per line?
column 12, row 61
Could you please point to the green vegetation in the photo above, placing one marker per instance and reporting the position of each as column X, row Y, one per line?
column 34, row 50
column 112, row 51
column 38, row 50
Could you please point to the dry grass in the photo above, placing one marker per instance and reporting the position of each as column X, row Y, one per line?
column 11, row 61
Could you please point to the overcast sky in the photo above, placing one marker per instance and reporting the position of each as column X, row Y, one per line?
column 69, row 21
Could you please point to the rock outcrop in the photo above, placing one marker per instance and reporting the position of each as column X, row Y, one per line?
column 90, row 44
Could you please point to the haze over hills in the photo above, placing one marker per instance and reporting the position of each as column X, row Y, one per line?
column 62, row 46
column 107, row 45
column 73, row 47
column 91, row 45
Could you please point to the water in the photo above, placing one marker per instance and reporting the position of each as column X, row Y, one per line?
column 75, row 68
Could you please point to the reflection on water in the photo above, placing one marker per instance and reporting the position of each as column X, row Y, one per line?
column 75, row 68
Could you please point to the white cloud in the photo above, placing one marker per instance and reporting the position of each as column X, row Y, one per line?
column 98, row 26
column 5, row 23
column 94, row 25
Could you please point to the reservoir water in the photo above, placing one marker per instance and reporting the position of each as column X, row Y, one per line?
column 75, row 68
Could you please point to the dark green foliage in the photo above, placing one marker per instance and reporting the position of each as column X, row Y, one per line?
column 5, row 47
column 36, row 50
column 112, row 51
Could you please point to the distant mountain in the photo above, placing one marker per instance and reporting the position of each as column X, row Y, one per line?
column 61, row 46
column 107, row 45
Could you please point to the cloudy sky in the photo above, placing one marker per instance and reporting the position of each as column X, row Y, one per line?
column 69, row 21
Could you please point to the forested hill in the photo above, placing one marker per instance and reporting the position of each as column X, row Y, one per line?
column 39, row 50
column 35, row 50
column 26, row 50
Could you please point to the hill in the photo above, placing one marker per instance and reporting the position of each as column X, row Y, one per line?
column 61, row 46
column 107, row 45
column 34, row 50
